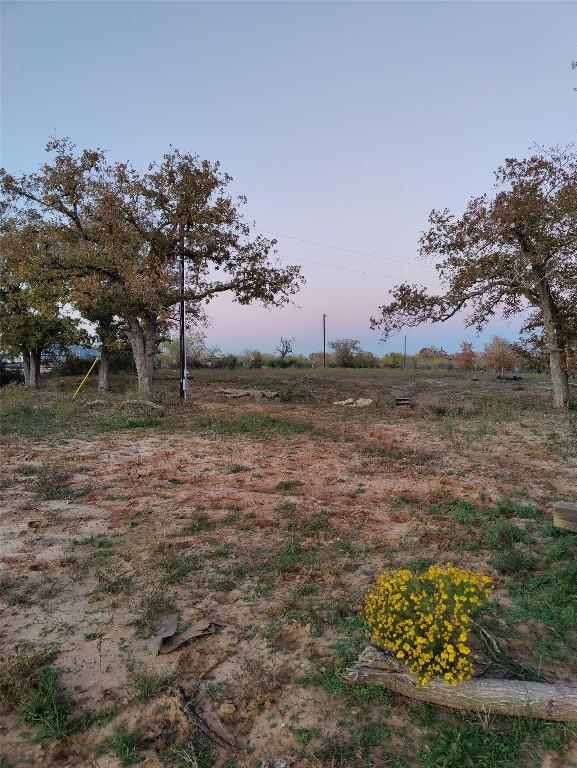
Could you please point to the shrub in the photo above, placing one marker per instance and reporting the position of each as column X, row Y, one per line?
column 73, row 365
column 424, row 619
column 503, row 534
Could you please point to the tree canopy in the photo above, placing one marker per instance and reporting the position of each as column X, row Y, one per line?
column 119, row 232
column 509, row 252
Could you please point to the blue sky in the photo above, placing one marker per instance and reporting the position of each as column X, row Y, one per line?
column 343, row 123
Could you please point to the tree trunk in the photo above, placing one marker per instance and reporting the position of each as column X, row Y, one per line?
column 143, row 337
column 104, row 372
column 34, row 375
column 26, row 367
column 503, row 697
column 559, row 377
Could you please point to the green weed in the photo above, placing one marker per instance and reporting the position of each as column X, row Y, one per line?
column 502, row 535
column 127, row 746
column 46, row 707
column 487, row 744
column 288, row 485
column 150, row 683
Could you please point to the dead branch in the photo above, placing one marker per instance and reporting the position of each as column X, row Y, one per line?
column 504, row 697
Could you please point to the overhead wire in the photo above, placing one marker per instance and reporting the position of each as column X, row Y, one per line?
column 344, row 249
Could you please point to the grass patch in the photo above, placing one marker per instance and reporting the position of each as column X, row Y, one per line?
column 502, row 535
column 177, row 568
column 551, row 598
column 150, row 683
column 46, row 707
column 36, row 421
column 503, row 742
column 288, row 485
column 18, row 675
column 127, row 746
column 513, row 561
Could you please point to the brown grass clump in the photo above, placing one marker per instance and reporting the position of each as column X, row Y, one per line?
column 18, row 677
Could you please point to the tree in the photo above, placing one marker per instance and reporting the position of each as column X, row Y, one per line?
column 500, row 355
column 196, row 349
column 511, row 251
column 31, row 318
column 466, row 357
column 344, row 351
column 285, row 347
column 122, row 231
column 393, row 360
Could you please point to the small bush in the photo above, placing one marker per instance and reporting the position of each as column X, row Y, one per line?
column 424, row 618
column 502, row 535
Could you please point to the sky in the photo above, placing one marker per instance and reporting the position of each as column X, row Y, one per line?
column 344, row 123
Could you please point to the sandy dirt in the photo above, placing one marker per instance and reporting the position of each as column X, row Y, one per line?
column 79, row 570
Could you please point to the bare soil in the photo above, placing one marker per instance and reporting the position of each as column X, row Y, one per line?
column 282, row 526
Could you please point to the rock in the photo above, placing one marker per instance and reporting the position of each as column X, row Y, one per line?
column 227, row 708
column 362, row 402
column 275, row 762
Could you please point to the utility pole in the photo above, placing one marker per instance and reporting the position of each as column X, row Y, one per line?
column 324, row 340
column 182, row 348
column 405, row 354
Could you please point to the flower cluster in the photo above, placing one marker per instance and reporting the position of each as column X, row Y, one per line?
column 424, row 619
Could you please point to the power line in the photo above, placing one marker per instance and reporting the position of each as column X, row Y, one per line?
column 344, row 250
column 336, row 266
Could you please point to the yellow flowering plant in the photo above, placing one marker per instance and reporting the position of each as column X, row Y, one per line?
column 425, row 619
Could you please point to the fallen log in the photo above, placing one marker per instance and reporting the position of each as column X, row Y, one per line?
column 258, row 394
column 544, row 701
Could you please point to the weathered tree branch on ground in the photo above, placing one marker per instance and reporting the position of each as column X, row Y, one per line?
column 503, row 697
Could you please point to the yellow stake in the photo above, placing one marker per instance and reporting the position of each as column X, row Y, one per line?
column 96, row 359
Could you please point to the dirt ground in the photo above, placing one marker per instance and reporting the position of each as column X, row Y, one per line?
column 271, row 519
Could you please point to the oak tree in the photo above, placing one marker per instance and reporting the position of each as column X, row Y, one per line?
column 31, row 309
column 512, row 251
column 123, row 232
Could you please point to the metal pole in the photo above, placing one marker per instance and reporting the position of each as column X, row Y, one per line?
column 324, row 340
column 182, row 349
column 405, row 354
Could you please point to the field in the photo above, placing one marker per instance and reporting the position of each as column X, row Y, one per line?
column 272, row 518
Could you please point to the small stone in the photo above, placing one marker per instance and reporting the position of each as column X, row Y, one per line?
column 227, row 708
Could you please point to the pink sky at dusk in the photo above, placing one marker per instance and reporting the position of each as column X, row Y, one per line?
column 343, row 123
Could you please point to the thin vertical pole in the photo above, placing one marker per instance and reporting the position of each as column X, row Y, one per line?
column 182, row 349
column 405, row 354
column 324, row 340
